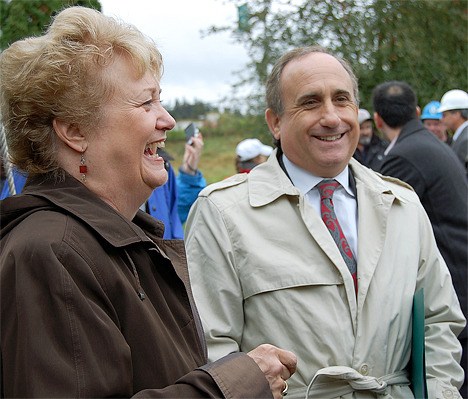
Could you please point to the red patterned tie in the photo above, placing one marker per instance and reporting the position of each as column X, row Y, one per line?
column 326, row 188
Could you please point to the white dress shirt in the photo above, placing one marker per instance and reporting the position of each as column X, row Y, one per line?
column 391, row 145
column 344, row 200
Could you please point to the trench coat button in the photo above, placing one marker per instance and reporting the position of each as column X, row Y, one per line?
column 448, row 394
column 364, row 369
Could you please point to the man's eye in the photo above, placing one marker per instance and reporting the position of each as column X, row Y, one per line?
column 342, row 99
column 310, row 103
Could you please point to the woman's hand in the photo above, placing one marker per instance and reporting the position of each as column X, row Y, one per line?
column 277, row 365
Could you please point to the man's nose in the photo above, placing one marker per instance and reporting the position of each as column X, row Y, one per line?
column 329, row 116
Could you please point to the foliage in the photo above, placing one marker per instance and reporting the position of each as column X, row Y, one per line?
column 422, row 42
column 218, row 158
column 183, row 109
column 243, row 126
column 24, row 18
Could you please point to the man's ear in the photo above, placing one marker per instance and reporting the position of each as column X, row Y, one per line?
column 378, row 121
column 70, row 135
column 273, row 122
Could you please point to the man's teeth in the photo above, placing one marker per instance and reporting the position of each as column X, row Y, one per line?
column 330, row 138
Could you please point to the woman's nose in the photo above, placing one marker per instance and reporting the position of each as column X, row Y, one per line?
column 165, row 121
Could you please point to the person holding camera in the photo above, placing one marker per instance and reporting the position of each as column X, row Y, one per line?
column 190, row 180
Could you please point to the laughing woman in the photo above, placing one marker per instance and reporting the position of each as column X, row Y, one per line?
column 94, row 303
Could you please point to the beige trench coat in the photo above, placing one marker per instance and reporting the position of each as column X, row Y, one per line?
column 265, row 269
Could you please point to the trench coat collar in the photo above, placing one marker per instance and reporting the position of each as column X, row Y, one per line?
column 267, row 182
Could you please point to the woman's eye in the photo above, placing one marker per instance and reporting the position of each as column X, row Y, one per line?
column 151, row 102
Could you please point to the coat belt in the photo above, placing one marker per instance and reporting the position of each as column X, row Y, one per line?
column 337, row 381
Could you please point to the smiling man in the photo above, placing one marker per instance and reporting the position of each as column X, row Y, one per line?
column 313, row 252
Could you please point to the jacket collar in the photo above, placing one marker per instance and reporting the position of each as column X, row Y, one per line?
column 267, row 182
column 410, row 128
column 75, row 198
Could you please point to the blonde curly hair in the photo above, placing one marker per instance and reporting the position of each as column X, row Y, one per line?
column 60, row 75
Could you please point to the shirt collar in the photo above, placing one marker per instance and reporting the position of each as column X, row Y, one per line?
column 391, row 145
column 306, row 181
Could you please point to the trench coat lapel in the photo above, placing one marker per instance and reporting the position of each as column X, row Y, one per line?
column 322, row 236
column 374, row 204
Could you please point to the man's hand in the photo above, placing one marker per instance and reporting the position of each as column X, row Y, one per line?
column 277, row 365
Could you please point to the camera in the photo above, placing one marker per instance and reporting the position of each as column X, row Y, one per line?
column 190, row 131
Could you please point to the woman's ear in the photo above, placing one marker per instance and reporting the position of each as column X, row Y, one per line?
column 70, row 135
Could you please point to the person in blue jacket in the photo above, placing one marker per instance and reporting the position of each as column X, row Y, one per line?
column 171, row 202
column 19, row 180
column 190, row 180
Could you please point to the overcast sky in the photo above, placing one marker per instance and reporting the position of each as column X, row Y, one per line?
column 194, row 68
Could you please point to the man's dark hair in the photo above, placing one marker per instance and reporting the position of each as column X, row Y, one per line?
column 395, row 102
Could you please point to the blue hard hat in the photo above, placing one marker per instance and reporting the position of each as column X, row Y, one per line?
column 430, row 111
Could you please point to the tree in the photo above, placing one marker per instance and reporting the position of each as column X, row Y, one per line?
column 183, row 109
column 23, row 18
column 422, row 42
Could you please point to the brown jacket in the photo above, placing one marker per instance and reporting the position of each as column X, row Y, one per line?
column 93, row 305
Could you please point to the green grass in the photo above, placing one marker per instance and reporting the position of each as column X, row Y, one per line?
column 218, row 157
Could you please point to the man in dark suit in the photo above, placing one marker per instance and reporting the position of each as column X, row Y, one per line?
column 454, row 108
column 417, row 157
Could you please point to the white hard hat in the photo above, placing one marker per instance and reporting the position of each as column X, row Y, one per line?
column 364, row 115
column 454, row 99
column 250, row 148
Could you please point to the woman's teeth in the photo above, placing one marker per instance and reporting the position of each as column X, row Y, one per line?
column 151, row 149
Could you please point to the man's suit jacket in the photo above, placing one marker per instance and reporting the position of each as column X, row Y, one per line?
column 460, row 146
column 433, row 170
